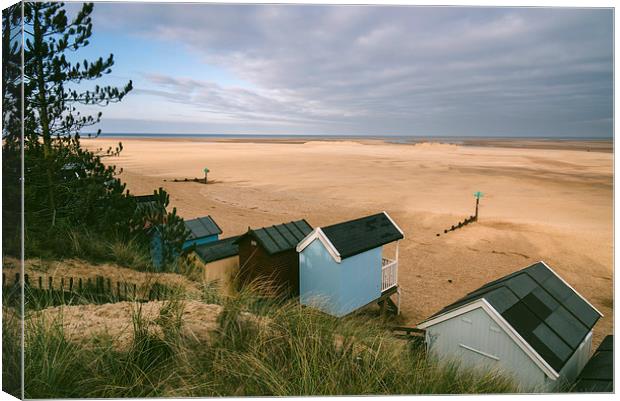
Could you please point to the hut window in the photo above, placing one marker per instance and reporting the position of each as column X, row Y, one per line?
column 253, row 243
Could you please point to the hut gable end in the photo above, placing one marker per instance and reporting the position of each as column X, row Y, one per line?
column 350, row 238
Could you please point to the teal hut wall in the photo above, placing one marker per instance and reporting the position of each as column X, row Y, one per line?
column 157, row 252
column 200, row 241
column 338, row 288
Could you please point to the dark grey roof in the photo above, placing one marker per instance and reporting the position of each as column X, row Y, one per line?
column 546, row 312
column 145, row 198
column 147, row 202
column 202, row 227
column 281, row 237
column 360, row 235
column 217, row 250
column 598, row 374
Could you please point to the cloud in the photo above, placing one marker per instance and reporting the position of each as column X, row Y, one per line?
column 388, row 70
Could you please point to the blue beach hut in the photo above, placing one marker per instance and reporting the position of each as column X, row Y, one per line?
column 202, row 230
column 342, row 267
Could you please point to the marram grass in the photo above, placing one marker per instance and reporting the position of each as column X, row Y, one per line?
column 286, row 350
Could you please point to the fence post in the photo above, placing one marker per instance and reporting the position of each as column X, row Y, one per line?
column 70, row 284
column 62, row 284
column 40, row 282
column 16, row 278
column 50, row 283
column 26, row 279
column 134, row 291
column 80, row 284
column 118, row 290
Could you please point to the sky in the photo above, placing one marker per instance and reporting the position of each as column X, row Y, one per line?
column 357, row 70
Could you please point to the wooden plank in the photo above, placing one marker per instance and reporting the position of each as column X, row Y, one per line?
column 387, row 293
column 408, row 329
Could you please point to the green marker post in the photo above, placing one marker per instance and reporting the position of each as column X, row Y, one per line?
column 477, row 195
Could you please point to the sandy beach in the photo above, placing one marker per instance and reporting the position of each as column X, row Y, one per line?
column 551, row 203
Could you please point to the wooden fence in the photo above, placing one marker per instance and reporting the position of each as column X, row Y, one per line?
column 469, row 220
column 47, row 291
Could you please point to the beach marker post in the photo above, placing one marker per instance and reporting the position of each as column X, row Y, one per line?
column 477, row 195
column 206, row 170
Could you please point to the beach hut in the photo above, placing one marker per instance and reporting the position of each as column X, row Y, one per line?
column 146, row 202
column 202, row 230
column 598, row 374
column 221, row 261
column 530, row 325
column 268, row 254
column 342, row 267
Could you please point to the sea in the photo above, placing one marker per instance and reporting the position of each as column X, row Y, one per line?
column 402, row 139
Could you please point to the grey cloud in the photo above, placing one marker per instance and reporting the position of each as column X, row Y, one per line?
column 392, row 70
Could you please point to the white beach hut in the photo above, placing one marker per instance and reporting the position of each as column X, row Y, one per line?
column 531, row 326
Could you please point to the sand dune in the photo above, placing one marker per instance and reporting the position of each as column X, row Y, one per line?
column 81, row 323
column 540, row 204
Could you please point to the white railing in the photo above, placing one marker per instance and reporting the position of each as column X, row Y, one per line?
column 389, row 273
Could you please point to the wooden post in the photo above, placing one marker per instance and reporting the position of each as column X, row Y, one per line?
column 397, row 267
column 26, row 279
column 40, row 282
column 16, row 278
column 70, row 284
column 206, row 170
column 478, row 195
column 397, row 242
column 62, row 283
column 118, row 289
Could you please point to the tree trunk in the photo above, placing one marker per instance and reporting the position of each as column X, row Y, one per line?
column 43, row 109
